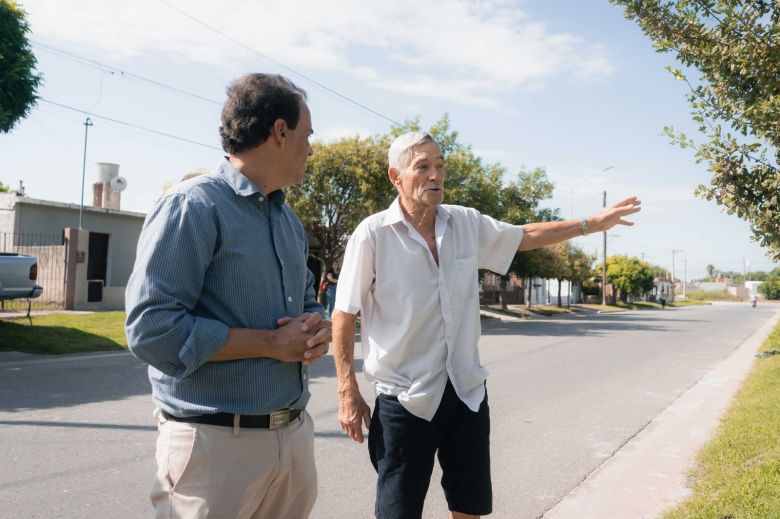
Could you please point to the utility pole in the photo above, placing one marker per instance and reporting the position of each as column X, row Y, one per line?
column 604, row 266
column 674, row 251
column 685, row 276
column 87, row 124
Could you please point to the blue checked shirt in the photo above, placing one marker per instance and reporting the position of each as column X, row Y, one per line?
column 216, row 254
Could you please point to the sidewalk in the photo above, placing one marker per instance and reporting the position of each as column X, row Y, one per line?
column 649, row 473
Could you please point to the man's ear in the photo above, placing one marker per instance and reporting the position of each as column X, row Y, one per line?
column 279, row 131
column 393, row 174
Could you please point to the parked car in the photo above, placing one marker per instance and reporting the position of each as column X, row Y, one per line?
column 18, row 274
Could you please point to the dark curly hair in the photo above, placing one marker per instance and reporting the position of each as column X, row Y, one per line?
column 254, row 103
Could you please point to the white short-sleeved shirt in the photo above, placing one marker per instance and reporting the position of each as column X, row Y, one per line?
column 419, row 321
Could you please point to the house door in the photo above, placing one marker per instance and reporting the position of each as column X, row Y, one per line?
column 97, row 266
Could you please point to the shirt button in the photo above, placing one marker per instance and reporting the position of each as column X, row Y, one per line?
column 289, row 299
column 260, row 198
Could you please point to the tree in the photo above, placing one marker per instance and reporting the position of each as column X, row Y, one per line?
column 580, row 267
column 770, row 287
column 629, row 276
column 735, row 46
column 4, row 188
column 18, row 78
column 710, row 272
column 339, row 190
column 519, row 204
column 533, row 263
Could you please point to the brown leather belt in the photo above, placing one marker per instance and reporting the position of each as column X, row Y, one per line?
column 275, row 420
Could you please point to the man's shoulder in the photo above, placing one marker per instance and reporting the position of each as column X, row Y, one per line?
column 461, row 212
column 202, row 187
column 374, row 221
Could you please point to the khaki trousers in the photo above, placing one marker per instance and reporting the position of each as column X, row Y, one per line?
column 211, row 471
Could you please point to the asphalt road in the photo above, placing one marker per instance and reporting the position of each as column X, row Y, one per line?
column 77, row 436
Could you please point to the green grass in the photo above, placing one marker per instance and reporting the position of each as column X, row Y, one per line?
column 64, row 333
column 737, row 474
column 602, row 308
column 690, row 302
column 548, row 309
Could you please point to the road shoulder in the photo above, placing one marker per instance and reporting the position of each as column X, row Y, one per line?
column 649, row 473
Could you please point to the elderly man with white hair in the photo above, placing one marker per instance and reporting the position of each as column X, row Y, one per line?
column 411, row 272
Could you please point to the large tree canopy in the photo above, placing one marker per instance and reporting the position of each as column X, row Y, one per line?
column 18, row 78
column 347, row 180
column 735, row 46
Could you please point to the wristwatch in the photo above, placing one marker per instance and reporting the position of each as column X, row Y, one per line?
column 584, row 226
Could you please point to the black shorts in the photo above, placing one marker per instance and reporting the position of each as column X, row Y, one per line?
column 402, row 447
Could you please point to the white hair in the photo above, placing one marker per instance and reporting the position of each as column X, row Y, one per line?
column 403, row 146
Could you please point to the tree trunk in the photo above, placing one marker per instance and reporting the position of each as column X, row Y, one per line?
column 559, row 293
column 529, row 292
column 502, row 283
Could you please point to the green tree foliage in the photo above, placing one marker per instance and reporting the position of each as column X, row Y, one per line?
column 346, row 181
column 536, row 263
column 578, row 265
column 629, row 276
column 735, row 46
column 4, row 188
column 770, row 287
column 18, row 79
column 519, row 202
column 339, row 190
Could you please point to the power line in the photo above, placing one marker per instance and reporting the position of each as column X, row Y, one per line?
column 108, row 69
column 130, row 125
column 279, row 64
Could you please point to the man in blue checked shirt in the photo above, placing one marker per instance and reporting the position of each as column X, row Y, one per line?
column 221, row 306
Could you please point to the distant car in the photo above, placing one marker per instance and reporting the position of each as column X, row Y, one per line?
column 18, row 274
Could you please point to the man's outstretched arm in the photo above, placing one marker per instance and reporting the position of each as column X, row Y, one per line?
column 353, row 410
column 542, row 234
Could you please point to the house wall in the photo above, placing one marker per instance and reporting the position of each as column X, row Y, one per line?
column 123, row 230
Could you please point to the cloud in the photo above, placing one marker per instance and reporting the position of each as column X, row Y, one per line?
column 334, row 133
column 466, row 52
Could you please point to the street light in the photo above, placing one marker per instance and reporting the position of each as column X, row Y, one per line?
column 674, row 251
column 571, row 196
column 571, row 217
column 87, row 124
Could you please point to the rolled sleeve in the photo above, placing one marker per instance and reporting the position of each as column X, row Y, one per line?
column 175, row 250
column 357, row 271
column 498, row 243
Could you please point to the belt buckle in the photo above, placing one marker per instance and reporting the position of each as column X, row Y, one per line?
column 279, row 419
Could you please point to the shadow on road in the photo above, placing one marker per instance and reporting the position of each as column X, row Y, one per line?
column 70, row 381
column 592, row 326
column 78, row 425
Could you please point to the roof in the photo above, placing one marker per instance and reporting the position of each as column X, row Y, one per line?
column 8, row 201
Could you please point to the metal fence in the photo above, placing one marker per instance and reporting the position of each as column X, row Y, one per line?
column 50, row 250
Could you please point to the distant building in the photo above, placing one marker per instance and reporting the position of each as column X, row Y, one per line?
column 85, row 269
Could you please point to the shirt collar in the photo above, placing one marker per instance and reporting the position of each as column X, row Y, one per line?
column 242, row 185
column 395, row 214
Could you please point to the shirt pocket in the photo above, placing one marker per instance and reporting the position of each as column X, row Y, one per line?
column 465, row 277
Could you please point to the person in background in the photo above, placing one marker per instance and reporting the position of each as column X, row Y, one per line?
column 333, row 278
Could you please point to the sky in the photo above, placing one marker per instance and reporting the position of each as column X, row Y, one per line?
column 570, row 86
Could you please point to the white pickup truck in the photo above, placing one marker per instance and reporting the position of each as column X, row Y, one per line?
column 18, row 274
